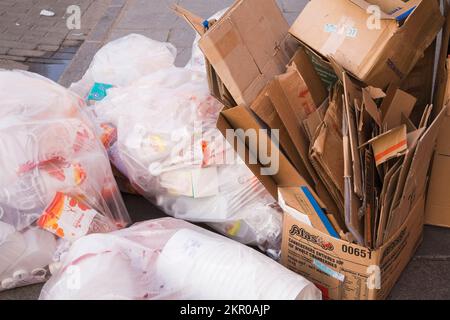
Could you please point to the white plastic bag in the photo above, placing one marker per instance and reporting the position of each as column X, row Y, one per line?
column 55, row 178
column 124, row 60
column 171, row 259
column 168, row 146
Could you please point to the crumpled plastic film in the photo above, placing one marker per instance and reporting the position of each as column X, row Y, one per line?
column 56, row 180
column 167, row 144
column 171, row 259
column 138, row 57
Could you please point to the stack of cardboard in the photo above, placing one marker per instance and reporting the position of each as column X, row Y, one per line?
column 324, row 100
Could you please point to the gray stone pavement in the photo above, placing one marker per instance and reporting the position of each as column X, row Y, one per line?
column 41, row 44
column 427, row 275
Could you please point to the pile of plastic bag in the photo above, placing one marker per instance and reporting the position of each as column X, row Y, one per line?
column 160, row 132
column 55, row 179
column 171, row 259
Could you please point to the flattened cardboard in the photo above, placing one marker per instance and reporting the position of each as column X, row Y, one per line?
column 390, row 144
column 377, row 56
column 302, row 64
column 326, row 152
column 369, row 199
column 265, row 110
column 313, row 122
column 416, row 183
column 419, row 83
column 396, row 103
column 292, row 112
column 353, row 96
column 352, row 204
column 301, row 200
column 371, row 107
column 243, row 118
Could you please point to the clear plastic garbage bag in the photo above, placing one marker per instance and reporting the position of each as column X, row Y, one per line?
column 171, row 259
column 161, row 133
column 55, row 177
column 124, row 60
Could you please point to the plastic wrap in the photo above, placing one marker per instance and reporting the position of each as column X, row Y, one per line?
column 55, row 177
column 124, row 60
column 161, row 133
column 171, row 259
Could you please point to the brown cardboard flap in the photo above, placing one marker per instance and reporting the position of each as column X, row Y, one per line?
column 389, row 145
column 416, row 181
column 326, row 152
column 265, row 110
column 244, row 60
column 242, row 118
column 438, row 201
column 353, row 97
column 396, row 103
column 293, row 124
column 194, row 21
column 302, row 64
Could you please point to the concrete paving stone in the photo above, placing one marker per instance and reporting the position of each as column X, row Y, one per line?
column 144, row 19
column 12, row 65
column 62, row 56
column 27, row 53
column 18, row 8
column 158, row 35
column 8, row 18
column 17, row 44
column 80, row 63
column 80, row 34
column 35, row 33
column 13, row 58
column 436, row 243
column 424, row 280
column 205, row 8
column 46, row 47
column 12, row 37
column 183, row 56
column 99, row 33
column 293, row 5
column 71, row 43
column 149, row 6
column 182, row 37
column 90, row 16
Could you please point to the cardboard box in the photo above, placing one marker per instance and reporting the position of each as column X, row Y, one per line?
column 244, row 49
column 380, row 55
column 343, row 270
column 346, row 271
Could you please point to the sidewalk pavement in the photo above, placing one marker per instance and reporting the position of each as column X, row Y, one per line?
column 31, row 41
column 428, row 274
